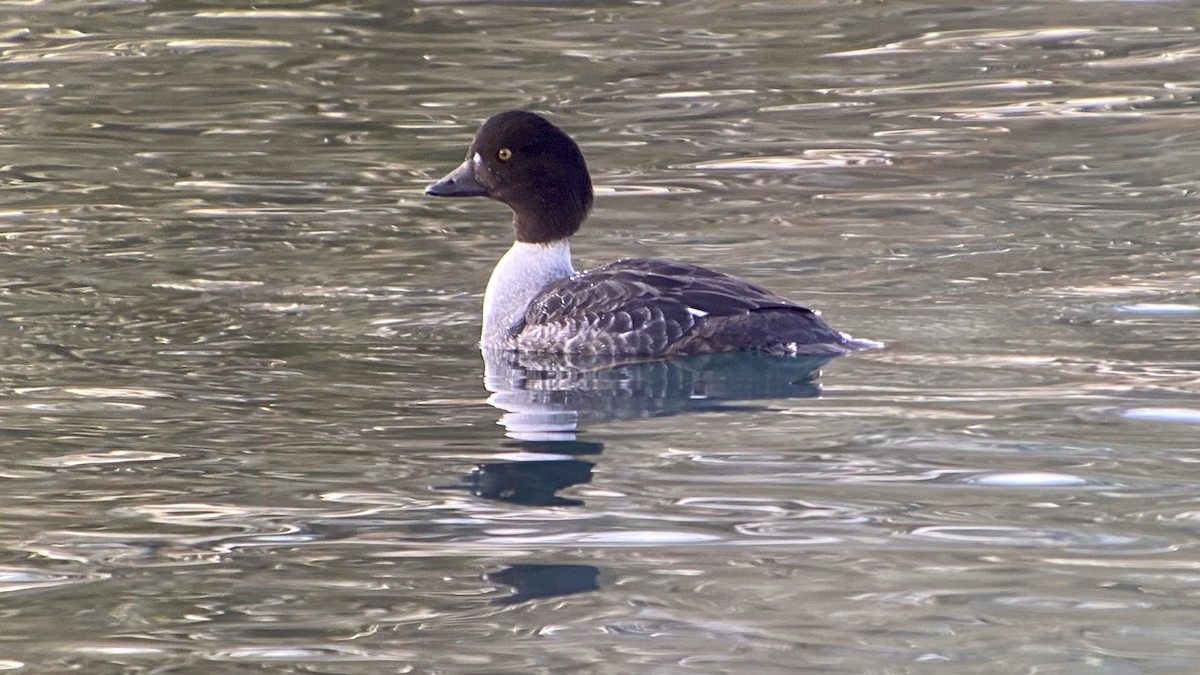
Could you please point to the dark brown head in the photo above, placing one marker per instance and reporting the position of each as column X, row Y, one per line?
column 526, row 162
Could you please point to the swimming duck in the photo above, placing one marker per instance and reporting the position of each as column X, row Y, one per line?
column 536, row 301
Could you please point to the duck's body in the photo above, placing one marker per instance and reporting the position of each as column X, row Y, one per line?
column 536, row 302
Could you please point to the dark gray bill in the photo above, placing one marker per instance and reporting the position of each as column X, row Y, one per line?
column 458, row 183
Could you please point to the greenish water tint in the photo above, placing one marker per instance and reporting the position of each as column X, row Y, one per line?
column 247, row 426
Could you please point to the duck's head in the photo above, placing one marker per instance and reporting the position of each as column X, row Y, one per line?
column 523, row 160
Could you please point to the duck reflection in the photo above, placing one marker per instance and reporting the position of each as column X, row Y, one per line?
column 532, row 581
column 546, row 400
column 534, row 476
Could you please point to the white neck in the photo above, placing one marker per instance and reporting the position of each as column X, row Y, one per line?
column 519, row 276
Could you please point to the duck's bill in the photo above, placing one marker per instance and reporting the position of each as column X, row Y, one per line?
column 458, row 183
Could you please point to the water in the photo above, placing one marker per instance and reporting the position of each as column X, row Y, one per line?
column 247, row 427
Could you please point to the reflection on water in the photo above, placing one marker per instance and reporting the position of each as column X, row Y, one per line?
column 530, row 581
column 242, row 406
column 531, row 481
column 549, row 397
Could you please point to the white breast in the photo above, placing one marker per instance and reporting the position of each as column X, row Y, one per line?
column 519, row 276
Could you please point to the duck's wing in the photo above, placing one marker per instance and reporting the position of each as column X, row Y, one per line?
column 657, row 307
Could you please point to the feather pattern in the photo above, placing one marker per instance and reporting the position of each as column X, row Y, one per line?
column 659, row 307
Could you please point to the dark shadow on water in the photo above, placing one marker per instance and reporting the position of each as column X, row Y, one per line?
column 532, row 581
column 546, row 400
column 532, row 482
column 533, row 474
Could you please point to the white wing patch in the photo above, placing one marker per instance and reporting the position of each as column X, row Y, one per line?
column 698, row 313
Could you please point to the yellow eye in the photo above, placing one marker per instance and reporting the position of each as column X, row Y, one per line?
column 504, row 154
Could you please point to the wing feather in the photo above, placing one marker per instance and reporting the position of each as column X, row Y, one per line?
column 639, row 307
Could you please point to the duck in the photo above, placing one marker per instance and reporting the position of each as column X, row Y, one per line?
column 535, row 301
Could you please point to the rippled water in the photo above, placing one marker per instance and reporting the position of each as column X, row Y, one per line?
column 248, row 426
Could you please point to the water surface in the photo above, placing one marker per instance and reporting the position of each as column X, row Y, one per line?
column 248, row 427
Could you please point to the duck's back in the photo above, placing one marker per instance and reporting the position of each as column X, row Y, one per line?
column 664, row 308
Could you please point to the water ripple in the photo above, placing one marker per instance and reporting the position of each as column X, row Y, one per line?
column 1130, row 105
column 15, row 579
column 1007, row 536
column 642, row 190
column 1026, row 479
column 278, row 14
column 110, row 457
column 612, row 538
column 984, row 39
column 1182, row 415
column 809, row 159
